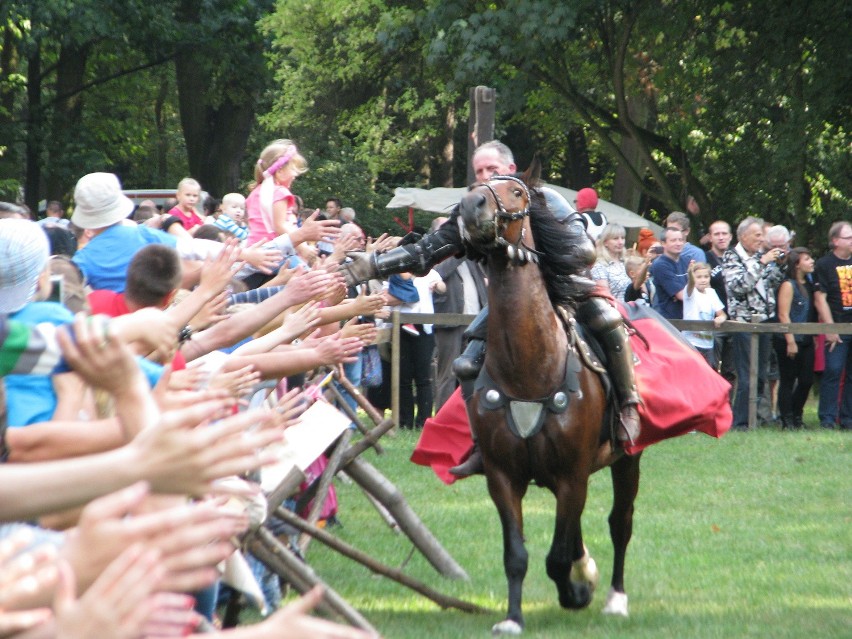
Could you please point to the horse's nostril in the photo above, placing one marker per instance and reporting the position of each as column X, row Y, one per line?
column 471, row 203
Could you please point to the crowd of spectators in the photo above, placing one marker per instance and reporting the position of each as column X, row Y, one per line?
column 131, row 456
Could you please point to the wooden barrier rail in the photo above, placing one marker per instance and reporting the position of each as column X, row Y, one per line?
column 391, row 334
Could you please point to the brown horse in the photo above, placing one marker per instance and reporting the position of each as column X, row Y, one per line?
column 537, row 412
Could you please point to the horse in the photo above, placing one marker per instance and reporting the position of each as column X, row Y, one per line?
column 539, row 414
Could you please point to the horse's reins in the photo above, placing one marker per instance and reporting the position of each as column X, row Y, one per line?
column 517, row 252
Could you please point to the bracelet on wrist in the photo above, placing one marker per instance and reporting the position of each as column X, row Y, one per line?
column 185, row 334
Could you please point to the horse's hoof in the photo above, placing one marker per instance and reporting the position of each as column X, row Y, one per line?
column 616, row 603
column 585, row 570
column 507, row 627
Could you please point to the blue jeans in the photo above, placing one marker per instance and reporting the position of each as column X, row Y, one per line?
column 353, row 374
column 741, row 346
column 830, row 398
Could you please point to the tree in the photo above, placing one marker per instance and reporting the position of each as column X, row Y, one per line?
column 655, row 74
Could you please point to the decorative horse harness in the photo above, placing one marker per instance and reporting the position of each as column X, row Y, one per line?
column 518, row 252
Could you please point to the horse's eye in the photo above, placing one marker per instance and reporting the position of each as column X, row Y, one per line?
column 518, row 193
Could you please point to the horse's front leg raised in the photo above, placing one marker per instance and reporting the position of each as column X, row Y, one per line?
column 568, row 563
column 507, row 498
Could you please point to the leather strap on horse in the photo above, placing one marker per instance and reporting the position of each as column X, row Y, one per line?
column 578, row 343
column 525, row 417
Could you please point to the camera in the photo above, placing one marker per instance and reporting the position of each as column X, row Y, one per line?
column 656, row 250
column 781, row 256
column 57, row 286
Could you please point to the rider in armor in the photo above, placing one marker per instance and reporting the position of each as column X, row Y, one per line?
column 594, row 312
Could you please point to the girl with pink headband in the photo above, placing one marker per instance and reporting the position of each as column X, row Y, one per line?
column 271, row 206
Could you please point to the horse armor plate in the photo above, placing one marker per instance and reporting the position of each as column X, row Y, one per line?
column 527, row 416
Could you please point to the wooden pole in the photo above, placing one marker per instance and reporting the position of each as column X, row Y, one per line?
column 288, row 486
column 444, row 601
column 376, row 484
column 753, row 398
column 372, row 412
column 335, row 394
column 395, row 341
column 325, row 485
column 480, row 126
column 283, row 562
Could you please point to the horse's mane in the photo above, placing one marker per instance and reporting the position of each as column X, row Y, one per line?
column 562, row 265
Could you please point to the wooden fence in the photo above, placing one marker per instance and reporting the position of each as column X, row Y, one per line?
column 391, row 334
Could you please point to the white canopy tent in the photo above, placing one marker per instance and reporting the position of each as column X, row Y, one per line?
column 442, row 200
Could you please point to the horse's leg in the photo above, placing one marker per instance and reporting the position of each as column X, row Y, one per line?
column 567, row 548
column 625, row 486
column 507, row 498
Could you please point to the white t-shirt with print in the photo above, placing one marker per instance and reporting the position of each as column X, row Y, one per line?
column 701, row 306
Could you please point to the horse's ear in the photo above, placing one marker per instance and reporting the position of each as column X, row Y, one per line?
column 532, row 176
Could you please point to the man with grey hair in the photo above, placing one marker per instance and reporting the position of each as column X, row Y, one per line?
column 752, row 276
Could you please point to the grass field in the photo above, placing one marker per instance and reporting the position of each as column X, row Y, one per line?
column 747, row 536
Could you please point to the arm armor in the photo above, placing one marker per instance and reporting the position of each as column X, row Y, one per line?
column 420, row 257
column 584, row 247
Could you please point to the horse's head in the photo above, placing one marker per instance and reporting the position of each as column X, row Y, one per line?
column 491, row 214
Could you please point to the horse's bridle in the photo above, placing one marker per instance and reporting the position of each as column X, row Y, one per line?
column 502, row 212
column 518, row 252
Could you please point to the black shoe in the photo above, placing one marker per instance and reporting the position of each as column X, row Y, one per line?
column 467, row 365
column 828, row 425
column 471, row 466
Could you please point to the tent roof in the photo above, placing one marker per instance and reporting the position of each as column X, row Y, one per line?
column 442, row 200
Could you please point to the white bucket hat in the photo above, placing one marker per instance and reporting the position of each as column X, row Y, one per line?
column 24, row 252
column 99, row 201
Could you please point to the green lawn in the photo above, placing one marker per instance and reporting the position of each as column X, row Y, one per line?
column 747, row 536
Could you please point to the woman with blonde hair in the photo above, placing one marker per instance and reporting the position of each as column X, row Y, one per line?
column 271, row 207
column 608, row 271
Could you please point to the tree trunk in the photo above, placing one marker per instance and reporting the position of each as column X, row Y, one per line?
column 625, row 191
column 578, row 173
column 35, row 122
column 67, row 115
column 162, row 144
column 215, row 137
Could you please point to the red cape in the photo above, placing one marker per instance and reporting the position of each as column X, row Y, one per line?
column 680, row 393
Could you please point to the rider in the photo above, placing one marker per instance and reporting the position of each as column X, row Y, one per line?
column 596, row 313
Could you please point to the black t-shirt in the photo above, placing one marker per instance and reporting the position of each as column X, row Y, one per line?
column 833, row 277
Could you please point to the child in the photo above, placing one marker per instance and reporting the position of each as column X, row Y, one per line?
column 636, row 268
column 271, row 207
column 700, row 302
column 232, row 218
column 188, row 195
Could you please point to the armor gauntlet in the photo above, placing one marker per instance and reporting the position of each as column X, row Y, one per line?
column 417, row 258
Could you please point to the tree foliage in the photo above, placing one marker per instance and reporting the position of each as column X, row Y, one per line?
column 743, row 105
column 726, row 102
